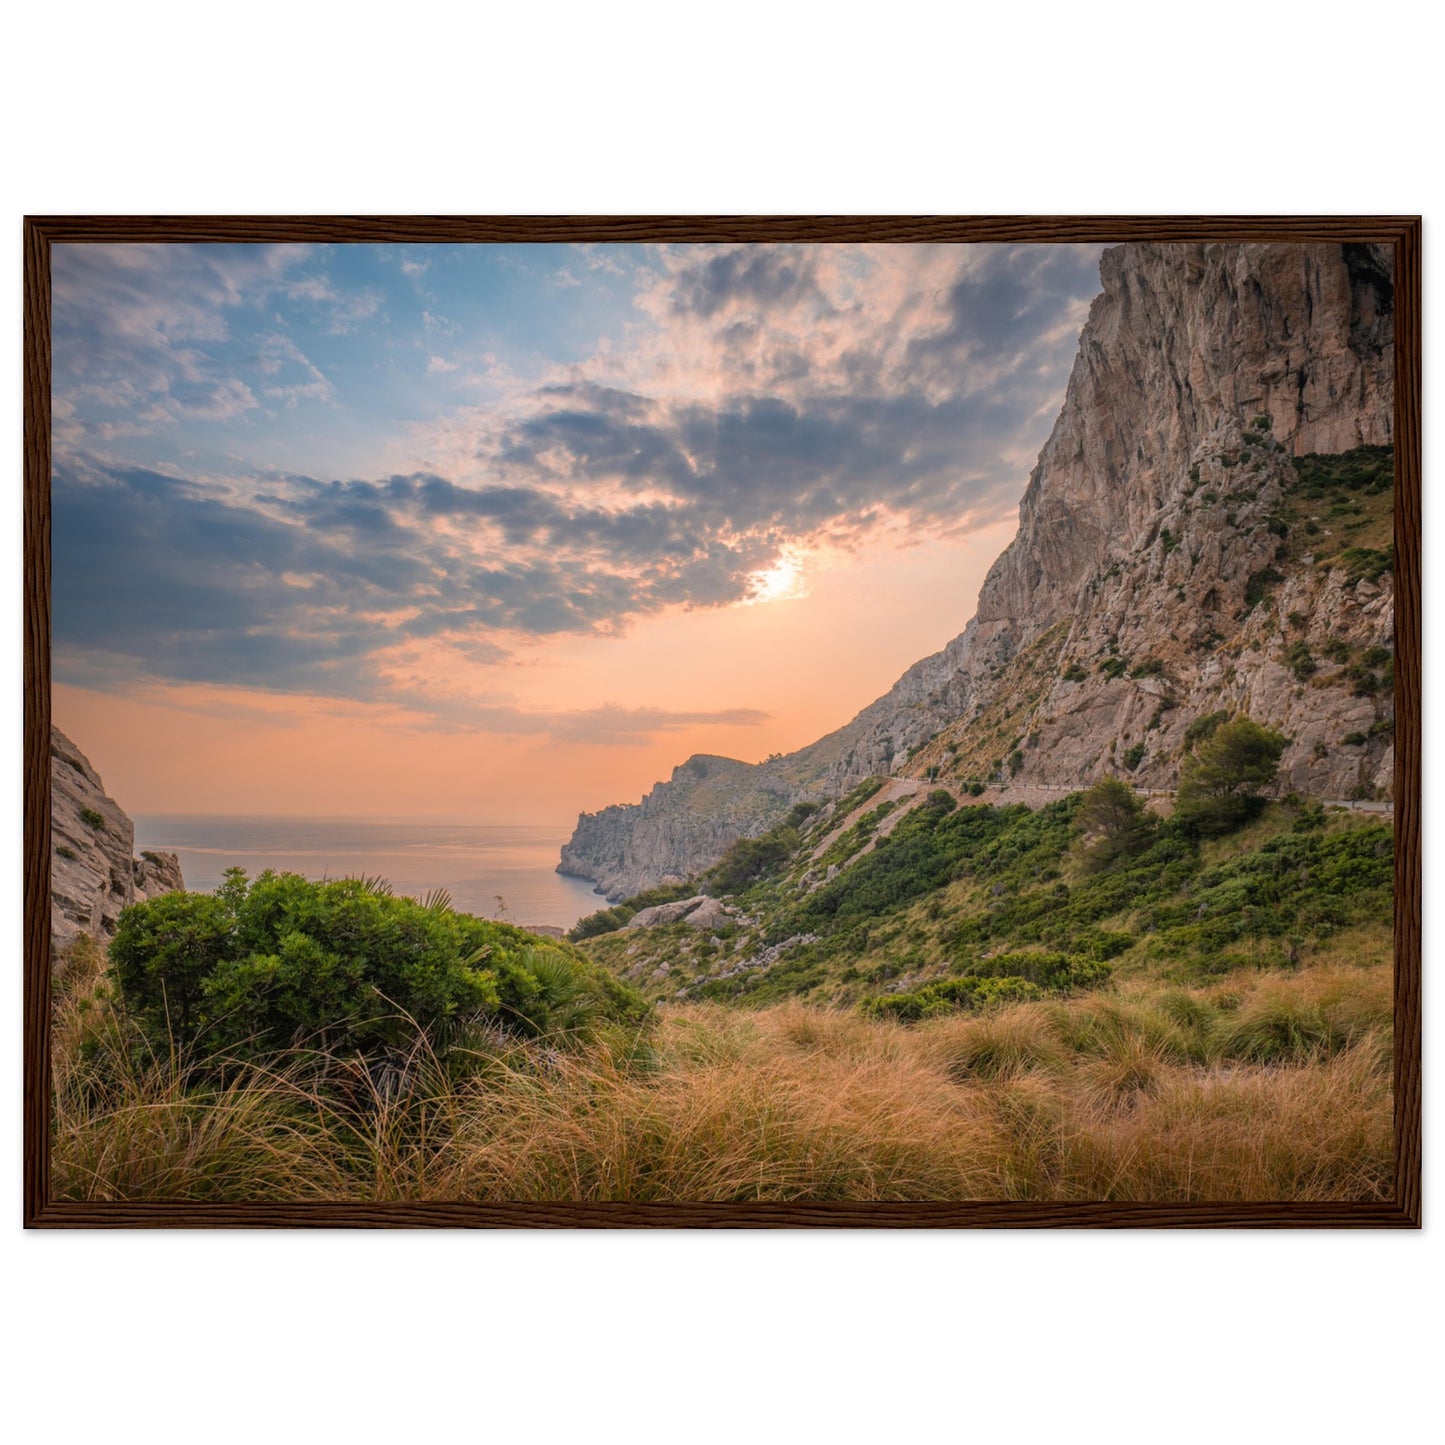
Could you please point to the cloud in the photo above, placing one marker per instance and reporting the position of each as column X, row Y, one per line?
column 753, row 279
column 768, row 402
column 610, row 725
column 142, row 338
column 344, row 311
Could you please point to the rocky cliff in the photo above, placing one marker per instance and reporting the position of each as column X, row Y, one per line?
column 93, row 870
column 1207, row 529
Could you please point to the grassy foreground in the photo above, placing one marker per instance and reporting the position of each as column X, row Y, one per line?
column 1256, row 1085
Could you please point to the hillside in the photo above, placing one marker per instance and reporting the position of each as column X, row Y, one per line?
column 907, row 902
column 1208, row 529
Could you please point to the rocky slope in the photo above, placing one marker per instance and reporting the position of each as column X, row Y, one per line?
column 1182, row 549
column 93, row 870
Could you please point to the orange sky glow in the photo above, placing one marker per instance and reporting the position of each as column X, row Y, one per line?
column 810, row 662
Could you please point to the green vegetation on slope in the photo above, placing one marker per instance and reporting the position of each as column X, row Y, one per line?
column 1341, row 511
column 955, row 890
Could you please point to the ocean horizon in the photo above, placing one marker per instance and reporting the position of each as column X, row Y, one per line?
column 494, row 870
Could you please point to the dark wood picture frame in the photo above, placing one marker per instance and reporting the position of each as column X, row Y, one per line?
column 1403, row 234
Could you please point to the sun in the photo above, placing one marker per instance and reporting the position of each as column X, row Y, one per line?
column 783, row 580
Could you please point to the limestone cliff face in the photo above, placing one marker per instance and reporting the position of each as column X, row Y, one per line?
column 678, row 829
column 1163, row 532
column 93, row 870
column 1164, row 566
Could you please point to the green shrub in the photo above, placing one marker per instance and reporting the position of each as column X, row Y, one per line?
column 1300, row 660
column 1133, row 756
column 1363, row 682
column 65, row 852
column 344, row 966
column 92, row 819
column 948, row 996
column 1260, row 585
column 1366, row 563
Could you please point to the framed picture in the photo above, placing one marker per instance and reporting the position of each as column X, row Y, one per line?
column 722, row 722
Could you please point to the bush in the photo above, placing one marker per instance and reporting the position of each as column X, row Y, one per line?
column 948, row 996
column 92, row 819
column 345, row 966
column 1111, row 824
column 1300, row 661
column 1260, row 585
column 1367, row 564
column 1220, row 781
column 750, row 859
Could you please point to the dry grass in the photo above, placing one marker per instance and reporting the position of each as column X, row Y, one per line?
column 1258, row 1086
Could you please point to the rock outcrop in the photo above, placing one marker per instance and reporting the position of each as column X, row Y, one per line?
column 94, row 872
column 700, row 912
column 1164, row 568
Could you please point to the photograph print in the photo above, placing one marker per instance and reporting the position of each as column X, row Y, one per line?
column 587, row 730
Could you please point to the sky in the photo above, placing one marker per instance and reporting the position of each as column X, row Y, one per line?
column 504, row 533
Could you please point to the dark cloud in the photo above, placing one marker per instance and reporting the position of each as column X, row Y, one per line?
column 1015, row 298
column 758, row 277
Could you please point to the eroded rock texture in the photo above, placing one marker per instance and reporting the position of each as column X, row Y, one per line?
column 94, row 872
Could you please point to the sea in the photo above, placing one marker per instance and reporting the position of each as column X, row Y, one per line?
column 504, row 871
